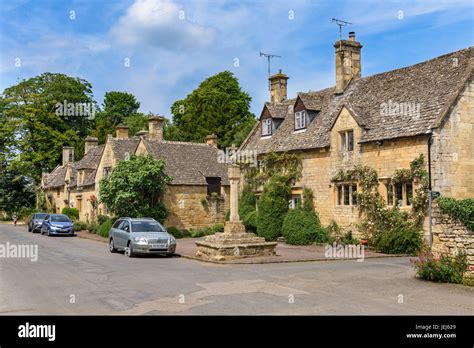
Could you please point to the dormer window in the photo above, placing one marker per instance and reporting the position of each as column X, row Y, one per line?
column 300, row 120
column 267, row 127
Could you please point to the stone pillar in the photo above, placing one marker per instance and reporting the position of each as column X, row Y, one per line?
column 234, row 178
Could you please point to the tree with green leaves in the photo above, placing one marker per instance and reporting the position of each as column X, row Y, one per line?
column 218, row 106
column 16, row 191
column 35, row 125
column 118, row 108
column 135, row 188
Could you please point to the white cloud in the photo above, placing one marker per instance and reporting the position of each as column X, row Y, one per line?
column 160, row 23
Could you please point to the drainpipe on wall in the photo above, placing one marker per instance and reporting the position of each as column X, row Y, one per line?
column 429, row 193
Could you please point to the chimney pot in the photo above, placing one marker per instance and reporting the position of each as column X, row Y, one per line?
column 348, row 62
column 122, row 131
column 155, row 128
column 68, row 154
column 211, row 140
column 278, row 87
column 89, row 143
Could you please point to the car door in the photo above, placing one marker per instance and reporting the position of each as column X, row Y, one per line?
column 125, row 232
column 115, row 233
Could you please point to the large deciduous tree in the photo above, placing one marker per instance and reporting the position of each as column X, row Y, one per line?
column 218, row 106
column 32, row 131
column 135, row 188
column 118, row 108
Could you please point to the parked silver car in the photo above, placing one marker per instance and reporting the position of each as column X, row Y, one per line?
column 35, row 221
column 140, row 236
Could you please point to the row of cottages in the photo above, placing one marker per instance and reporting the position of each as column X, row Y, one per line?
column 383, row 121
column 197, row 196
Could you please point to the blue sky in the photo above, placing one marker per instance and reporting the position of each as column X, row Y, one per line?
column 173, row 45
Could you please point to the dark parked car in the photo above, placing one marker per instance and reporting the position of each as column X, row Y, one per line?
column 57, row 224
column 141, row 236
column 35, row 221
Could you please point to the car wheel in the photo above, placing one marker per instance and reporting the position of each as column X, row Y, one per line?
column 112, row 248
column 129, row 250
column 48, row 234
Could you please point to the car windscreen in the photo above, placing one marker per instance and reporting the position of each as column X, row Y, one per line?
column 59, row 218
column 147, row 226
column 39, row 216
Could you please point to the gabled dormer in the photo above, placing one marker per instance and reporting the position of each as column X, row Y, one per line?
column 307, row 106
column 271, row 118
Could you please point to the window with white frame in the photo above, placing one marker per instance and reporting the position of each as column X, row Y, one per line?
column 294, row 201
column 300, row 120
column 267, row 126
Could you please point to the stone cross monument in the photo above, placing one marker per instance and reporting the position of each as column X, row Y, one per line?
column 234, row 242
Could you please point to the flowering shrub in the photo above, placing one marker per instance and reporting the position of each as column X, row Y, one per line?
column 440, row 268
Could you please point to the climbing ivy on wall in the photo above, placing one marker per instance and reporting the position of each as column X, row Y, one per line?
column 286, row 166
column 389, row 229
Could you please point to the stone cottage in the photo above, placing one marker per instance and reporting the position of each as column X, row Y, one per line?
column 196, row 197
column 383, row 121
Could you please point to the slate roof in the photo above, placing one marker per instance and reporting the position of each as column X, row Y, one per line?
column 90, row 161
column 279, row 110
column 56, row 177
column 433, row 84
column 121, row 147
column 188, row 163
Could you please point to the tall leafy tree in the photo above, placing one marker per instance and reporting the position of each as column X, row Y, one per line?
column 16, row 191
column 33, row 131
column 117, row 108
column 218, row 106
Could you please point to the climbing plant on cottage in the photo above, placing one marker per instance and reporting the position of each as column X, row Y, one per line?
column 388, row 229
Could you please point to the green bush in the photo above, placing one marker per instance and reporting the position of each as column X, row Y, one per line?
column 79, row 226
column 103, row 230
column 177, row 233
column 102, row 218
column 446, row 268
column 218, row 228
column 157, row 212
column 302, row 227
column 201, row 232
column 71, row 213
column 25, row 212
column 272, row 207
column 93, row 227
column 247, row 201
column 250, row 221
column 398, row 235
column 462, row 210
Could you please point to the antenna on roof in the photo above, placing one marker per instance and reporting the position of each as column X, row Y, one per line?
column 269, row 57
column 341, row 24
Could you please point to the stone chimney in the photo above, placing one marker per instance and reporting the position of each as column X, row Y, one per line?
column 347, row 62
column 121, row 132
column 211, row 140
column 278, row 83
column 155, row 128
column 68, row 154
column 141, row 133
column 89, row 143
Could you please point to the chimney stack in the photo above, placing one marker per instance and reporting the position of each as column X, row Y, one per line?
column 121, row 132
column 155, row 128
column 68, row 154
column 347, row 62
column 89, row 143
column 211, row 140
column 278, row 83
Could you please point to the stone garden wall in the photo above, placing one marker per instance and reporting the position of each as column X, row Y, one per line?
column 450, row 236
